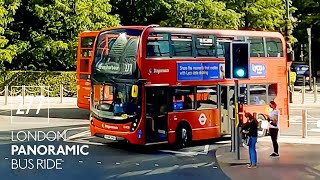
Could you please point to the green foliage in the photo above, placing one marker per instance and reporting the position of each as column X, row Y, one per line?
column 264, row 15
column 7, row 9
column 40, row 78
column 200, row 14
column 308, row 17
column 139, row 12
column 47, row 31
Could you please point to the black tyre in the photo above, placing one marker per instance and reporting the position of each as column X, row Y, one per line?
column 183, row 136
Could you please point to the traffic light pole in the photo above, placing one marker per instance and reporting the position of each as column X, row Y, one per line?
column 237, row 129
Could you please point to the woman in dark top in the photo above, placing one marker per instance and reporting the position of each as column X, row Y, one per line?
column 251, row 129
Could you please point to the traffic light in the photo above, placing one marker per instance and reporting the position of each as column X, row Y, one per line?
column 239, row 114
column 237, row 60
column 240, row 60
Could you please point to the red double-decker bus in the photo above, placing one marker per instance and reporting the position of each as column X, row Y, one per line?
column 84, row 60
column 166, row 85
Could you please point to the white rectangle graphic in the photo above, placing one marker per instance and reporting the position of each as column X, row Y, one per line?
column 29, row 104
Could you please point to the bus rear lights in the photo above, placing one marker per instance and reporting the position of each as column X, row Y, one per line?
column 134, row 124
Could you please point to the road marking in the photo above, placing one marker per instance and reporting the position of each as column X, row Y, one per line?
column 65, row 131
column 312, row 171
column 188, row 153
column 317, row 168
column 75, row 136
column 134, row 173
column 85, row 142
column 206, row 149
column 180, row 152
column 314, row 130
column 161, row 170
column 210, row 164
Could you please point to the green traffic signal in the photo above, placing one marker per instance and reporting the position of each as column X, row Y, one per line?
column 240, row 73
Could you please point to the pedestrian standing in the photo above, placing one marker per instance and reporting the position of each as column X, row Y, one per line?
column 274, row 128
column 251, row 130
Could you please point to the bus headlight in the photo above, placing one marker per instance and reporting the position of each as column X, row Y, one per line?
column 134, row 124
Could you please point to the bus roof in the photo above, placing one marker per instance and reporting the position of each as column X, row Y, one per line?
column 221, row 32
column 125, row 27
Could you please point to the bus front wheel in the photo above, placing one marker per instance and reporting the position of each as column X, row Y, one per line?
column 183, row 136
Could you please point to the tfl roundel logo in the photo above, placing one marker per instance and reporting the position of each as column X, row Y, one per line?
column 202, row 119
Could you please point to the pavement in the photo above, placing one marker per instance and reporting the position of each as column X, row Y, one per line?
column 51, row 112
column 299, row 160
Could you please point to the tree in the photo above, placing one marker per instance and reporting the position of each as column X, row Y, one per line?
column 263, row 15
column 139, row 12
column 200, row 14
column 8, row 50
column 308, row 16
column 51, row 30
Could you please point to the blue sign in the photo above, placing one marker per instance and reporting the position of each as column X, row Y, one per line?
column 257, row 70
column 195, row 71
column 139, row 134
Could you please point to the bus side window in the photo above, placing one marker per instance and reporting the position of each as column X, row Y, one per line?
column 183, row 98
column 205, row 45
column 274, row 47
column 258, row 94
column 256, row 47
column 207, row 98
column 181, row 45
column 272, row 92
column 158, row 45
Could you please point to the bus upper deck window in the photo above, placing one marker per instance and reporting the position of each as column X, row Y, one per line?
column 274, row 47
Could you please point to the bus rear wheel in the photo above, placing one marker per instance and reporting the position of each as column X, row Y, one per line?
column 183, row 136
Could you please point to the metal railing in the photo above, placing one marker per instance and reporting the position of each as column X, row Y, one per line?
column 304, row 122
column 24, row 91
column 304, row 96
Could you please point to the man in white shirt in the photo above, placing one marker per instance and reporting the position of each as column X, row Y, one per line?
column 274, row 128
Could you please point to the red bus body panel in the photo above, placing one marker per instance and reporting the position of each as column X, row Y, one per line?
column 210, row 129
column 84, row 85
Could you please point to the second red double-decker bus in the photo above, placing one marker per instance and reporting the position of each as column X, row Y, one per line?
column 166, row 85
column 84, row 61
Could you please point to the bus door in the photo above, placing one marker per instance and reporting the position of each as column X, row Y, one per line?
column 226, row 107
column 156, row 114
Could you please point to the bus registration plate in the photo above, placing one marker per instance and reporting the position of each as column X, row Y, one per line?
column 110, row 137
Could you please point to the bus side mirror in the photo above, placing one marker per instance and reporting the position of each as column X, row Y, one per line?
column 134, row 91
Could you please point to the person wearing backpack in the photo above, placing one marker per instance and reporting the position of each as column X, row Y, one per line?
column 250, row 129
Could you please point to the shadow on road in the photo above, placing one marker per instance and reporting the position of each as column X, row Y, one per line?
column 154, row 149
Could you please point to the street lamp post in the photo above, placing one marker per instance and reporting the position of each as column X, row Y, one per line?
column 287, row 17
column 309, row 51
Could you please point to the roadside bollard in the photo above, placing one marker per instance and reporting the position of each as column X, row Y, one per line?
column 23, row 93
column 315, row 92
column 233, row 139
column 6, row 93
column 61, row 92
column 304, row 123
